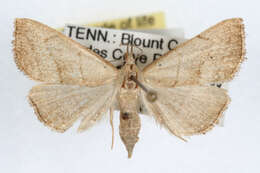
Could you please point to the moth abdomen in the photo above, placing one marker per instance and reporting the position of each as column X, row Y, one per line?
column 129, row 129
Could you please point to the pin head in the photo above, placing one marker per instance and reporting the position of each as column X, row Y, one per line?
column 151, row 96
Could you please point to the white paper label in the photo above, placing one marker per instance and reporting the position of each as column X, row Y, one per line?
column 111, row 44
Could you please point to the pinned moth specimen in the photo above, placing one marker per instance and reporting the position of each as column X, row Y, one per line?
column 175, row 89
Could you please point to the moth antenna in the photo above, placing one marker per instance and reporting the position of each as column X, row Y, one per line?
column 138, row 55
column 112, row 126
column 132, row 49
column 127, row 47
column 139, row 49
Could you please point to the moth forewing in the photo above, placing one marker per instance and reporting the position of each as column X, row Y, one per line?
column 47, row 55
column 214, row 56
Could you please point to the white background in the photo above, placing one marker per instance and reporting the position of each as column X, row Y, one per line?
column 28, row 146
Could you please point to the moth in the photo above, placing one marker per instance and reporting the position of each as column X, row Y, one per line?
column 175, row 89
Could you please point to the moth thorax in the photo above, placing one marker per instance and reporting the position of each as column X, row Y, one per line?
column 129, row 129
column 130, row 84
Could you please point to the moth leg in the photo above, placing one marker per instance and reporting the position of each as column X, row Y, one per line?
column 112, row 125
